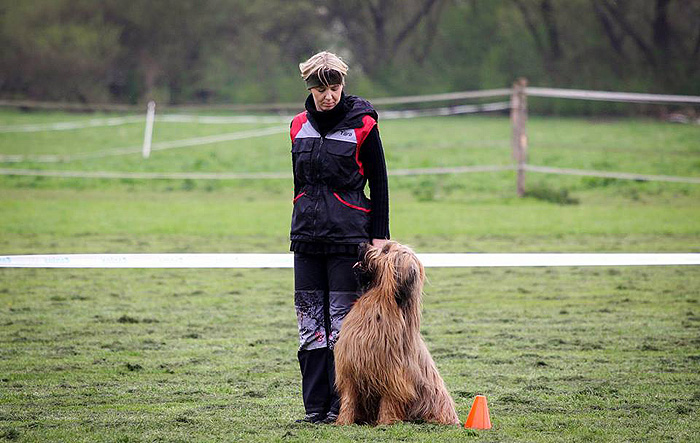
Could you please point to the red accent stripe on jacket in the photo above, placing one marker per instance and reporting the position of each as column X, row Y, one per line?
column 297, row 122
column 298, row 197
column 361, row 134
column 350, row 204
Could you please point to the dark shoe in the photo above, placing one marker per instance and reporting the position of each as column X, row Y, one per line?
column 314, row 417
column 330, row 418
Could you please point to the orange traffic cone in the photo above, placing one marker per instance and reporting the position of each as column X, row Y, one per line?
column 479, row 415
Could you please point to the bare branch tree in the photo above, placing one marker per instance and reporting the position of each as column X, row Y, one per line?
column 616, row 40
column 431, row 30
column 613, row 9
column 547, row 43
column 378, row 30
column 661, row 30
column 410, row 26
column 548, row 17
column 531, row 26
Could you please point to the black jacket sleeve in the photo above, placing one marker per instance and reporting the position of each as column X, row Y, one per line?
column 372, row 158
column 297, row 185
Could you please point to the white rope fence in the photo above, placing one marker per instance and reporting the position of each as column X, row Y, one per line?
column 70, row 125
column 160, row 146
column 223, row 120
column 577, row 94
column 199, row 141
column 287, row 175
column 430, row 260
column 167, row 118
column 149, row 175
column 609, row 174
column 232, row 175
column 447, row 110
column 243, row 119
column 254, row 107
column 383, row 115
column 624, row 97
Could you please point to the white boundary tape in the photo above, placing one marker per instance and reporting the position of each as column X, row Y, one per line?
column 153, row 261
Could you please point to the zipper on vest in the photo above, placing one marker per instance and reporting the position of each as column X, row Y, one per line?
column 317, row 174
column 317, row 162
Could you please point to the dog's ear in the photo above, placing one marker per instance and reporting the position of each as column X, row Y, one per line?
column 364, row 269
column 368, row 268
column 364, row 274
column 406, row 285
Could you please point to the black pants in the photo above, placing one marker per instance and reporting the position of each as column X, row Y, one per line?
column 325, row 288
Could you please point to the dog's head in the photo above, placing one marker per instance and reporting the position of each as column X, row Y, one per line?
column 394, row 269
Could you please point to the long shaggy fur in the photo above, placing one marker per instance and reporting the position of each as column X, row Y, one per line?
column 384, row 372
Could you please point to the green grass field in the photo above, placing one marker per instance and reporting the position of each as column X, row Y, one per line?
column 562, row 354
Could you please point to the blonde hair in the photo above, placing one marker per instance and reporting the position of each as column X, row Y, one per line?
column 319, row 65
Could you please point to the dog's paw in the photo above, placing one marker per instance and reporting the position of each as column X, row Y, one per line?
column 343, row 420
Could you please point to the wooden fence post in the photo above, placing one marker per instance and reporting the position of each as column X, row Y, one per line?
column 518, row 118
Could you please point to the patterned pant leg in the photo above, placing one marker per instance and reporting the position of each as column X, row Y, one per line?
column 310, row 319
column 310, row 292
column 340, row 304
column 343, row 291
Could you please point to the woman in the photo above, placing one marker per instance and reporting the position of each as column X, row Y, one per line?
column 336, row 150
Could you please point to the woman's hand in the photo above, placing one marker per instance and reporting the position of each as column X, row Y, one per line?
column 379, row 242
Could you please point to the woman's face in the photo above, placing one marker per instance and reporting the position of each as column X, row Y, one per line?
column 325, row 98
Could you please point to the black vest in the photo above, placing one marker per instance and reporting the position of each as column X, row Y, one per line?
column 331, row 205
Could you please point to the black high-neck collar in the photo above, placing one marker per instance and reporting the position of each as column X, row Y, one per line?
column 326, row 120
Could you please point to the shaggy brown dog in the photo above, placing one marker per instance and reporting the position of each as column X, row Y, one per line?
column 384, row 372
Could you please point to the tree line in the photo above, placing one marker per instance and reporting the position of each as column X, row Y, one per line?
column 243, row 51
